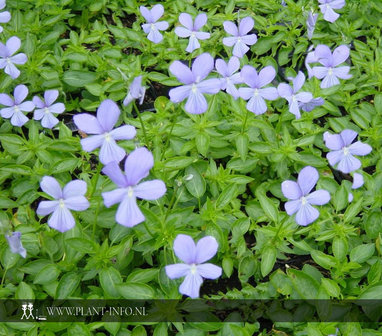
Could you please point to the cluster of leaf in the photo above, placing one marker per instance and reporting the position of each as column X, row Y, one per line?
column 222, row 169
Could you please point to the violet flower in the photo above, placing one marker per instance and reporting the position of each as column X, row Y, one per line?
column 4, row 16
column 327, row 7
column 240, row 39
column 45, row 109
column 343, row 150
column 152, row 27
column 16, row 107
column 357, row 181
column 195, row 83
column 256, row 94
column 136, row 91
column 311, row 23
column 7, row 61
column 191, row 30
column 292, row 96
column 137, row 166
column 329, row 71
column 301, row 198
column 70, row 198
column 229, row 74
column 194, row 268
column 15, row 244
column 310, row 105
column 105, row 137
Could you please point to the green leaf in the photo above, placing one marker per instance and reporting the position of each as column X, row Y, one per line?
column 331, row 287
column 362, row 253
column 109, row 279
column 47, row 274
column 143, row 275
column 78, row 78
column 228, row 194
column 24, row 291
column 195, row 183
column 323, row 259
column 303, row 283
column 242, row 145
column 82, row 245
column 202, row 141
column 139, row 291
column 266, row 204
column 268, row 259
column 67, row 285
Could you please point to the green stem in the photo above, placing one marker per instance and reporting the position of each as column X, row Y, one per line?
column 141, row 121
column 2, row 280
column 148, row 230
column 169, row 135
column 245, row 122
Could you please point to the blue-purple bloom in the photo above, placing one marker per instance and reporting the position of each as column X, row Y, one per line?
column 343, row 150
column 8, row 60
column 256, row 94
column 152, row 27
column 45, row 109
column 105, row 137
column 327, row 7
column 4, row 16
column 191, row 30
column 17, row 106
column 330, row 71
column 136, row 91
column 230, row 75
column 301, row 198
column 310, row 105
column 70, row 198
column 292, row 95
column 15, row 244
column 195, row 83
column 137, row 166
column 240, row 38
column 193, row 268
column 357, row 181
column 311, row 23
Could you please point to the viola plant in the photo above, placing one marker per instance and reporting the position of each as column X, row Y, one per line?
column 197, row 155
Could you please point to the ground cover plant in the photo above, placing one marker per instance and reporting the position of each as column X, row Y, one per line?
column 212, row 149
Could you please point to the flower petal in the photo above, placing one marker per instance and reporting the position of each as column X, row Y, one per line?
column 229, row 41
column 185, row 249
column 57, row 108
column 250, row 77
column 108, row 114
column 77, row 203
column 13, row 44
column 19, row 59
column 19, row 119
column 284, row 90
column 176, row 271
column 182, row 73
column 209, row 271
column 266, row 76
column 146, row 13
column 46, row 207
column 210, row 86
column 318, row 197
column 125, row 132
column 307, row 179
column 150, row 190
column 113, row 197
column 49, row 120
column 186, row 20
column 50, row 186
column 329, row 81
column 206, row 248
column 348, row 136
column 359, row 148
column 110, row 151
column 156, row 12
column 182, row 32
column 240, row 49
column 342, row 72
column 200, row 21
column 334, row 157
column 245, row 25
column 137, row 165
column 230, row 28
column 257, row 105
column 87, row 123
column 292, row 207
column 50, row 97
column 191, row 285
column 27, row 106
column 298, row 82
column 74, row 188
column 6, row 100
column 202, row 66
column 20, row 93
column 62, row 220
column 180, row 93
column 269, row 93
column 12, row 71
column 249, row 39
column 92, row 142
column 357, row 181
column 291, row 190
column 128, row 213
column 348, row 164
column 196, row 103
column 306, row 214
column 333, row 141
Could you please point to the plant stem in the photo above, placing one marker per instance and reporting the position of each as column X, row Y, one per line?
column 141, row 121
